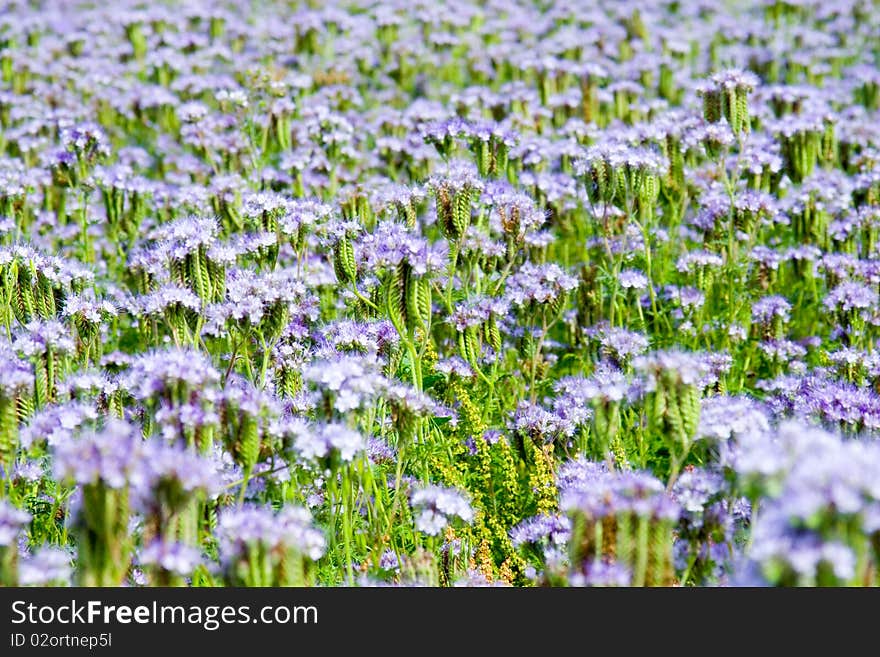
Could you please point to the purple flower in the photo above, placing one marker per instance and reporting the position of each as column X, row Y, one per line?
column 588, row 489
column 724, row 418
column 176, row 469
column 86, row 140
column 686, row 368
column 602, row 573
column 185, row 236
column 857, row 360
column 16, row 375
column 783, row 351
column 389, row 561
column 58, row 423
column 607, row 384
column 694, row 260
column 264, row 301
column 620, row 156
column 391, row 244
column 29, row 471
column 761, row 154
column 538, row 284
column 88, row 309
column 42, row 336
column 436, row 506
column 713, row 136
column 353, row 379
column 478, row 310
column 169, row 297
column 549, row 529
column 303, row 214
column 619, row 344
column 539, row 424
column 849, row 296
column 324, row 441
column 365, row 337
column 766, row 309
column 735, row 78
column 379, row 451
column 240, row 529
column 12, row 521
column 162, row 373
column 116, row 457
column 173, row 557
column 695, row 490
column 48, row 566
column 632, row 279
column 454, row 365
column 840, row 404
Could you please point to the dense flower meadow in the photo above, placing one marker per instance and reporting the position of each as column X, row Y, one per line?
column 440, row 293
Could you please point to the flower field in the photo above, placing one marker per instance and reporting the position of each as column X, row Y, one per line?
column 440, row 293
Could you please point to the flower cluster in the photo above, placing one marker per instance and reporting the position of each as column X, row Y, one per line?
column 367, row 293
column 436, row 507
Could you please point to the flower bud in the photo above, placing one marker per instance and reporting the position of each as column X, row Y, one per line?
column 344, row 263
